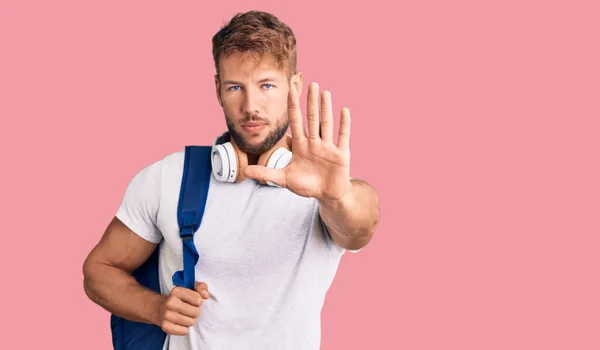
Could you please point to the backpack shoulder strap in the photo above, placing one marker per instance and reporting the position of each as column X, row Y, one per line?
column 192, row 201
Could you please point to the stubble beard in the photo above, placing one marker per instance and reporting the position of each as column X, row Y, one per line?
column 270, row 141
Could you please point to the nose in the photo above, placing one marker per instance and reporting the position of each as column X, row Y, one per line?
column 250, row 105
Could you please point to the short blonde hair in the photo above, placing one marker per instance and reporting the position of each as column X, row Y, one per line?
column 257, row 34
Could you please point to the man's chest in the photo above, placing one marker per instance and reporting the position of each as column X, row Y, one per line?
column 245, row 229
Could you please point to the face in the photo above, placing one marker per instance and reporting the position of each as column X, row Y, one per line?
column 254, row 96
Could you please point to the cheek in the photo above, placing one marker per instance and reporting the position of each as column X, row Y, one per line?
column 278, row 107
column 230, row 104
column 276, row 102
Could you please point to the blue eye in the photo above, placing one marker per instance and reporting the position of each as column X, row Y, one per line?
column 268, row 86
column 234, row 87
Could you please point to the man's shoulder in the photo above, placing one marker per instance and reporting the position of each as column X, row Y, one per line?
column 177, row 157
column 173, row 158
column 171, row 165
column 168, row 163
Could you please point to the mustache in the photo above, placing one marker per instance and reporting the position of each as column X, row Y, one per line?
column 253, row 118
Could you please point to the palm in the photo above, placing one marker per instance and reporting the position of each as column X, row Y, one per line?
column 319, row 168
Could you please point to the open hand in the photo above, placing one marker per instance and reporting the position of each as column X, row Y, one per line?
column 319, row 168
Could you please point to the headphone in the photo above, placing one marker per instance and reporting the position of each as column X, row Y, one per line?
column 228, row 161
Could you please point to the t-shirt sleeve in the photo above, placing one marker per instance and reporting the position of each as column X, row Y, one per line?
column 141, row 202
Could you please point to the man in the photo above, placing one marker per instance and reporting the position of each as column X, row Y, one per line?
column 268, row 254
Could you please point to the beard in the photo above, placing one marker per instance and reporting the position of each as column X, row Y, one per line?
column 270, row 141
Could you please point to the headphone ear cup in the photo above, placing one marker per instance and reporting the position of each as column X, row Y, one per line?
column 279, row 158
column 241, row 162
column 221, row 161
column 228, row 161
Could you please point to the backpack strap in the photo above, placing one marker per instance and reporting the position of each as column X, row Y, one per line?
column 192, row 201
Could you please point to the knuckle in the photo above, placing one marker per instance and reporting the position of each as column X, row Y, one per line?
column 167, row 327
column 189, row 322
column 176, row 305
column 181, row 329
column 174, row 330
column 178, row 308
column 168, row 316
column 171, row 302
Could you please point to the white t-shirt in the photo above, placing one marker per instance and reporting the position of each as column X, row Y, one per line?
column 264, row 253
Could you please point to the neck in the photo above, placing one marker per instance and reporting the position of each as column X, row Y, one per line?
column 252, row 159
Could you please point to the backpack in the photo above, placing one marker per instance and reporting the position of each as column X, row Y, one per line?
column 129, row 335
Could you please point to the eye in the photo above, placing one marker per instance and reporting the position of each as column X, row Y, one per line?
column 268, row 86
column 234, row 87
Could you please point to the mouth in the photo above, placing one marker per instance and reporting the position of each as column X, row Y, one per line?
column 253, row 127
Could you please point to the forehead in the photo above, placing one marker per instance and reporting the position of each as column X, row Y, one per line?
column 238, row 65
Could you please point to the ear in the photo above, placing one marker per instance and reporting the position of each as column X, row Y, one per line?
column 297, row 80
column 218, row 89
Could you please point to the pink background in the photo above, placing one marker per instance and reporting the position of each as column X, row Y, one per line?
column 478, row 123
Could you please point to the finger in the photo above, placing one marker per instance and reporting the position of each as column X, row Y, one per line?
column 344, row 133
column 179, row 319
column 313, row 111
column 174, row 329
column 326, row 117
column 264, row 174
column 295, row 114
column 182, row 307
column 202, row 288
column 187, row 295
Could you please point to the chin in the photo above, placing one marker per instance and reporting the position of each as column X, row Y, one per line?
column 256, row 141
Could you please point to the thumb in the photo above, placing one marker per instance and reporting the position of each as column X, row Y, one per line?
column 264, row 174
column 202, row 288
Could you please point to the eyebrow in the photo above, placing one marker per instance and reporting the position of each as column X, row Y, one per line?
column 267, row 79
column 233, row 82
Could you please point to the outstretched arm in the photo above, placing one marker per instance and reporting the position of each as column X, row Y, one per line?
column 352, row 219
column 321, row 169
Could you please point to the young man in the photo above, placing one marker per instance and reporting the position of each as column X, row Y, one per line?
column 268, row 254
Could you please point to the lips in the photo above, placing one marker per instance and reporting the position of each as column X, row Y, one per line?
column 253, row 127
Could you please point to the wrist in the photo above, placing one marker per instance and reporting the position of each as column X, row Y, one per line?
column 334, row 203
column 156, row 305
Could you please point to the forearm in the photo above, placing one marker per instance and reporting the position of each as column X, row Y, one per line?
column 119, row 293
column 352, row 219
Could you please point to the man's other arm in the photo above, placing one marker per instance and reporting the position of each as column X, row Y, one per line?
column 107, row 275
